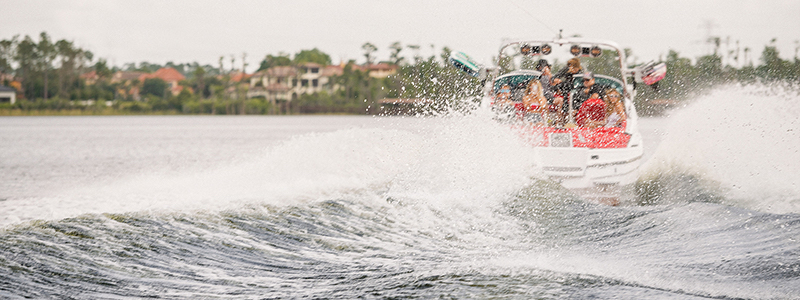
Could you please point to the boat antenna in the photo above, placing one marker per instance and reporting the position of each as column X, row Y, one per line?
column 532, row 16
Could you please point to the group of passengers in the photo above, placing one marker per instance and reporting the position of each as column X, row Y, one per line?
column 546, row 100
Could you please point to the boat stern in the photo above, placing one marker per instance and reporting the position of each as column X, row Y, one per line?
column 579, row 168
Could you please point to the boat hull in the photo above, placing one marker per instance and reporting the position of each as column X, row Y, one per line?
column 583, row 158
column 586, row 168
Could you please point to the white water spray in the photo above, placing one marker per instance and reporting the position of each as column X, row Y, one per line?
column 746, row 138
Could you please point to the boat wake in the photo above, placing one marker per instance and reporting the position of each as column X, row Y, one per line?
column 469, row 157
column 738, row 146
column 445, row 207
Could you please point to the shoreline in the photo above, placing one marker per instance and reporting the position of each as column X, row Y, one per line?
column 114, row 112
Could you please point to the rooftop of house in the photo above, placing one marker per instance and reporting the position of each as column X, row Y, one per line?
column 310, row 65
column 89, row 75
column 239, row 76
column 166, row 74
column 332, row 70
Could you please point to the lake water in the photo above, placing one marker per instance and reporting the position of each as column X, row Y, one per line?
column 255, row 207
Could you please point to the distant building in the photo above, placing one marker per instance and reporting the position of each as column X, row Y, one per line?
column 381, row 70
column 170, row 75
column 8, row 94
column 287, row 83
column 237, row 76
column 126, row 77
column 129, row 84
column 90, row 78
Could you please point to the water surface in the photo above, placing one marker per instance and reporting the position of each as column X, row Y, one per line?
column 355, row 206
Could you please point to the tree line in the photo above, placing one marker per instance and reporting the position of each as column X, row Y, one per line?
column 49, row 75
column 686, row 79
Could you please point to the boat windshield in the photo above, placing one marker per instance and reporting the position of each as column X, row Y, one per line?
column 558, row 103
column 518, row 60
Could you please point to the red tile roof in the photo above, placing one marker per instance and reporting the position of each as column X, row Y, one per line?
column 166, row 74
column 311, row 65
column 382, row 67
column 239, row 76
column 89, row 75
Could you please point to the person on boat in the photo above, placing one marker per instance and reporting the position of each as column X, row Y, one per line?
column 588, row 90
column 534, row 102
column 592, row 113
column 503, row 96
column 503, row 101
column 545, row 79
column 615, row 110
column 561, row 85
column 562, row 80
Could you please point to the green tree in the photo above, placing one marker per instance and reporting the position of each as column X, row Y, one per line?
column 66, row 55
column 394, row 56
column 430, row 79
column 369, row 48
column 144, row 66
column 415, row 48
column 446, row 52
column 710, row 65
column 7, row 53
column 199, row 81
column 47, row 53
column 27, row 58
column 270, row 61
column 101, row 67
column 313, row 56
column 155, row 87
column 772, row 67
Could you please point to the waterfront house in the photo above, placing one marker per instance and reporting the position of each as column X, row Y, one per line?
column 8, row 95
column 90, row 78
column 170, row 75
column 287, row 83
column 129, row 84
column 381, row 70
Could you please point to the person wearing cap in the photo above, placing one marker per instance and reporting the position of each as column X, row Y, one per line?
column 588, row 90
column 591, row 109
column 592, row 113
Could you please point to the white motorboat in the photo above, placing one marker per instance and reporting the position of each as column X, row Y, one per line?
column 580, row 154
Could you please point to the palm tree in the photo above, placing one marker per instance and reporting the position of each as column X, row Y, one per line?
column 47, row 52
column 7, row 50
column 67, row 65
column 27, row 56
column 416, row 52
column 369, row 48
column 395, row 55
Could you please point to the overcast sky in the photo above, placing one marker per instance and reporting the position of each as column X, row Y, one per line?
column 198, row 30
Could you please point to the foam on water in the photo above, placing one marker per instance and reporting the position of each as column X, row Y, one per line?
column 740, row 141
column 446, row 160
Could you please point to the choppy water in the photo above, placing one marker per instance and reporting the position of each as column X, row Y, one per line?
column 362, row 207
